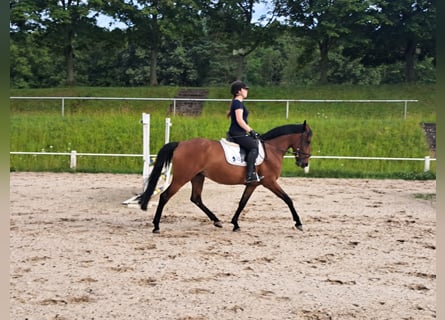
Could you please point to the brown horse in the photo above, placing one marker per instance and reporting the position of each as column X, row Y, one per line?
column 194, row 160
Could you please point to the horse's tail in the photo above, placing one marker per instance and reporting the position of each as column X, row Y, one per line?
column 163, row 159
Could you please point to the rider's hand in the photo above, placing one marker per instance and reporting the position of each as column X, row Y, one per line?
column 254, row 134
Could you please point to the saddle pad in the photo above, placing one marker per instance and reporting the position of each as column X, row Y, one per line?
column 236, row 155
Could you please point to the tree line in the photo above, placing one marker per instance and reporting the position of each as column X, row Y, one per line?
column 204, row 43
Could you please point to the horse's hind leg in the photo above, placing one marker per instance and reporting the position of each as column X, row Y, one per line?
column 197, row 184
column 163, row 199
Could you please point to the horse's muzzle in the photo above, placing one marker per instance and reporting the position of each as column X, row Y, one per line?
column 302, row 163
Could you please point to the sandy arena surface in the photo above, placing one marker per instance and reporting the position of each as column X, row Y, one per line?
column 368, row 251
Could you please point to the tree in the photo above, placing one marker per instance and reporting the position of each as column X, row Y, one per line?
column 406, row 33
column 151, row 23
column 200, row 43
column 106, row 59
column 33, row 65
column 231, row 23
column 60, row 22
column 326, row 24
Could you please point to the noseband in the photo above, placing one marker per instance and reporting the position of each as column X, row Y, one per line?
column 298, row 153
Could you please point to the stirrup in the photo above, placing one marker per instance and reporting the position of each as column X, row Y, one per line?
column 253, row 177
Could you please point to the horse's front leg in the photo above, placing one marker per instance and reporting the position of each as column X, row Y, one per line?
column 242, row 203
column 279, row 192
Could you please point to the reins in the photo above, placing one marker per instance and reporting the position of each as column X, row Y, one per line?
column 287, row 151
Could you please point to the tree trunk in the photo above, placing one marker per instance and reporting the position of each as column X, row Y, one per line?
column 69, row 60
column 153, row 67
column 410, row 61
column 324, row 61
column 240, row 67
column 156, row 43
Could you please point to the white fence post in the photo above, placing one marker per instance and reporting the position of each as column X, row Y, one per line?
column 168, row 124
column 287, row 109
column 146, row 148
column 167, row 140
column 73, row 159
column 406, row 110
column 426, row 168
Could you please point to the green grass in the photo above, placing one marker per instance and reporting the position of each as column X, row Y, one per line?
column 340, row 129
column 425, row 196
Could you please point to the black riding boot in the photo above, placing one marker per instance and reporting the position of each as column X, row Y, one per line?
column 251, row 175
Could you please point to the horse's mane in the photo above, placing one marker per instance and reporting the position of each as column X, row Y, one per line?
column 282, row 130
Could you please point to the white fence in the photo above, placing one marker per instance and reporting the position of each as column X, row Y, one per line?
column 284, row 101
column 74, row 154
column 146, row 142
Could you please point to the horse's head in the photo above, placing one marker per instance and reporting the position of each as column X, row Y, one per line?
column 302, row 146
column 295, row 136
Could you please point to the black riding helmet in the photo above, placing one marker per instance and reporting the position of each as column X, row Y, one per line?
column 237, row 86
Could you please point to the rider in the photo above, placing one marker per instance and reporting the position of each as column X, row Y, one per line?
column 240, row 131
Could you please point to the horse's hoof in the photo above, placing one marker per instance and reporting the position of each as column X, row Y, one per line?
column 236, row 229
column 218, row 224
column 300, row 227
column 156, row 230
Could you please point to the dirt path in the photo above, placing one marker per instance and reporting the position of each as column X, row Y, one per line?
column 367, row 252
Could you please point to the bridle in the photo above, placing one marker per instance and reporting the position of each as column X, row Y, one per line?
column 298, row 153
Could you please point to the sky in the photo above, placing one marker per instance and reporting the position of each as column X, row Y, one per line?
column 104, row 21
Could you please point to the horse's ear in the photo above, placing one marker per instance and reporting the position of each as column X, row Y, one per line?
column 304, row 125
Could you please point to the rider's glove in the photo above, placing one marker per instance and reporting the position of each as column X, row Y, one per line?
column 254, row 134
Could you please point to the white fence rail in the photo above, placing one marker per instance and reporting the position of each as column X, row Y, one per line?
column 285, row 101
column 74, row 154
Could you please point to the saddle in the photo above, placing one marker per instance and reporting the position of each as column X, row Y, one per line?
column 236, row 155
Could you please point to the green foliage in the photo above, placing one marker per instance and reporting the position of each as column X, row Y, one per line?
column 340, row 129
column 33, row 66
column 202, row 43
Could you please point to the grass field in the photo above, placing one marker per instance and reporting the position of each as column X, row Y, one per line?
column 340, row 129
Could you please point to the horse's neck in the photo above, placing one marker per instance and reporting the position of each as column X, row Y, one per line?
column 281, row 144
